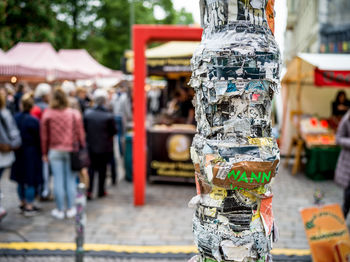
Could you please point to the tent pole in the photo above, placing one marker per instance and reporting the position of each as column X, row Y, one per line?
column 285, row 97
column 299, row 78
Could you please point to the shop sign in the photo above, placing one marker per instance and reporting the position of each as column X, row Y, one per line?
column 332, row 78
column 169, row 154
column 179, row 64
column 325, row 227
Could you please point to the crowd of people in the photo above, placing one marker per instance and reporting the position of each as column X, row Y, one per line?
column 41, row 131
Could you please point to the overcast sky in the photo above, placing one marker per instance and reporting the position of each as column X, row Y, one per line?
column 280, row 21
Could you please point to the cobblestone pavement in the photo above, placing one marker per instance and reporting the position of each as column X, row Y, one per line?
column 94, row 259
column 164, row 220
column 71, row 259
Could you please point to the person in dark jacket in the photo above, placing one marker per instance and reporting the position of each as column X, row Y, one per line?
column 27, row 168
column 341, row 104
column 100, row 130
column 18, row 96
column 83, row 99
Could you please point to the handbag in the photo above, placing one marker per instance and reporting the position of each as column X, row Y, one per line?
column 5, row 148
column 79, row 157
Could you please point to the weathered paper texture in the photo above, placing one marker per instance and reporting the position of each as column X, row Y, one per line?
column 235, row 75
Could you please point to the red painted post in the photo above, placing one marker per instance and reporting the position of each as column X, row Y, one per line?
column 139, row 140
column 143, row 34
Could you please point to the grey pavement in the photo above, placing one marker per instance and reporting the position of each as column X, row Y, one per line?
column 72, row 259
column 164, row 220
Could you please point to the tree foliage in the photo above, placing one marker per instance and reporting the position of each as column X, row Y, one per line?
column 78, row 14
column 100, row 26
column 30, row 21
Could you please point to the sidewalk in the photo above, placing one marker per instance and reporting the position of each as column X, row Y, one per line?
column 164, row 220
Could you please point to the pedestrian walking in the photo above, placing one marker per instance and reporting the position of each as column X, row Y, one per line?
column 83, row 99
column 122, row 114
column 342, row 172
column 58, row 138
column 7, row 92
column 10, row 139
column 27, row 168
column 42, row 98
column 70, row 90
column 17, row 97
column 112, row 163
column 100, row 129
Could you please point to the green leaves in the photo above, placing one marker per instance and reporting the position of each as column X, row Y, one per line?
column 100, row 26
column 29, row 21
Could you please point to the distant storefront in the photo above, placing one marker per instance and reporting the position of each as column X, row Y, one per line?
column 169, row 131
column 335, row 39
column 167, row 59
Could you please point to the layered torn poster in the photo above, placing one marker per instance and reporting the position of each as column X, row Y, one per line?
column 235, row 73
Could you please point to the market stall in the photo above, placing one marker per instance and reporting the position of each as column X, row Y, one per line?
column 310, row 85
column 42, row 58
column 39, row 62
column 169, row 152
column 170, row 62
column 11, row 70
column 80, row 60
column 169, row 130
column 321, row 149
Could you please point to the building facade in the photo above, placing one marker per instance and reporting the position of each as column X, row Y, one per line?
column 317, row 26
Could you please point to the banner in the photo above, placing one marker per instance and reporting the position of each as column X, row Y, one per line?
column 332, row 78
column 169, row 154
column 325, row 227
column 161, row 65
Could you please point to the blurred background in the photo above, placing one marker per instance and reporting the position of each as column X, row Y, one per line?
column 79, row 54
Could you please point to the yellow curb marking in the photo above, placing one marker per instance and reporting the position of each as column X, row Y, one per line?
column 128, row 249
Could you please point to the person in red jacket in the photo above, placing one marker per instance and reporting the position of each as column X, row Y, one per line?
column 61, row 127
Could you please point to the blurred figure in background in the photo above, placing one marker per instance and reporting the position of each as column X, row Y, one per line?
column 61, row 127
column 341, row 105
column 112, row 161
column 27, row 168
column 111, row 93
column 100, row 129
column 339, row 108
column 83, row 99
column 42, row 99
column 70, row 90
column 74, row 103
column 342, row 172
column 7, row 92
column 17, row 97
column 122, row 114
column 186, row 112
column 180, row 108
column 10, row 139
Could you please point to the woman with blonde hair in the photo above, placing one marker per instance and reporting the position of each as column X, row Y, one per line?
column 27, row 168
column 61, row 129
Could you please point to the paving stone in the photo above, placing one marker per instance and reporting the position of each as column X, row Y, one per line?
column 164, row 220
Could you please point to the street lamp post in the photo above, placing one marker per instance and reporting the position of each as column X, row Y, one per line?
column 235, row 75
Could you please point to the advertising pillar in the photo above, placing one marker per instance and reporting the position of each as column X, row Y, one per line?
column 235, row 73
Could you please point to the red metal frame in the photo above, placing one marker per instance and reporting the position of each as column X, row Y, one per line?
column 142, row 35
